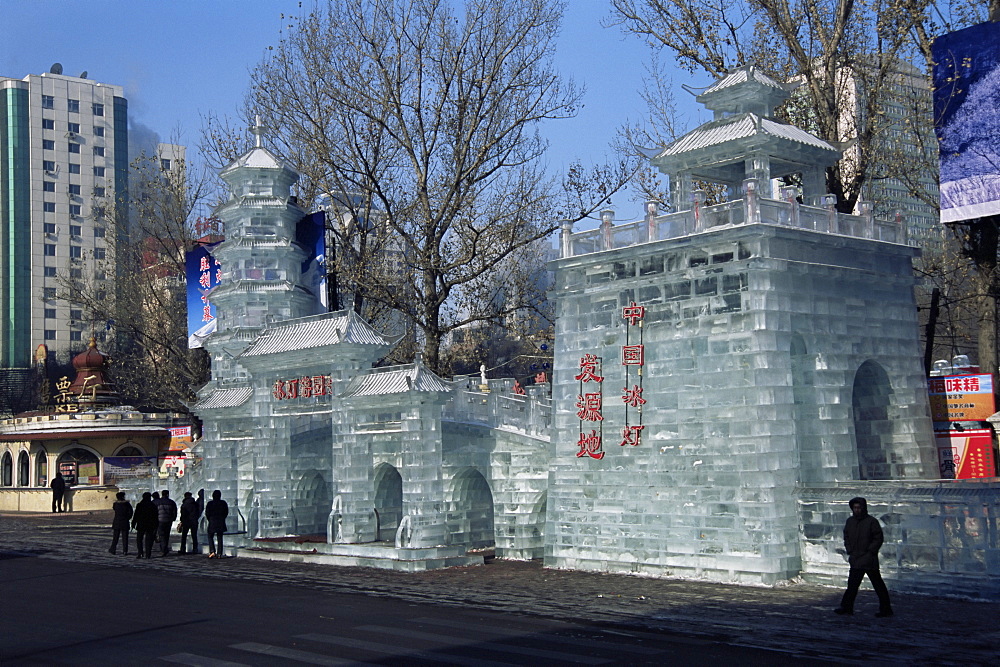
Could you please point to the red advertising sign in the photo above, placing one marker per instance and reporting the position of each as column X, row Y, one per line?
column 961, row 398
column 965, row 454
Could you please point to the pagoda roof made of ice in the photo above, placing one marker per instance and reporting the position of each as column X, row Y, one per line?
column 395, row 380
column 748, row 74
column 305, row 333
column 746, row 128
column 257, row 158
column 224, row 398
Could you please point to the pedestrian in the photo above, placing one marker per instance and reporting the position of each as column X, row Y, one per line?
column 216, row 512
column 144, row 520
column 862, row 540
column 58, row 490
column 166, row 510
column 156, row 501
column 190, row 513
column 123, row 513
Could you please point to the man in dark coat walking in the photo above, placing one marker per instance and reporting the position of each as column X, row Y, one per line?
column 166, row 514
column 216, row 512
column 190, row 513
column 862, row 540
column 145, row 522
column 123, row 513
column 58, row 490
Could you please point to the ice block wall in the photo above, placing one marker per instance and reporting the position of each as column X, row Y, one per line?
column 754, row 358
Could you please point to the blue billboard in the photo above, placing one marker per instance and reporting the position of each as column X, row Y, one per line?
column 967, row 121
column 203, row 273
column 310, row 233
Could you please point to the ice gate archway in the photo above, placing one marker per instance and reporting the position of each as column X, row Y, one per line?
column 871, row 400
column 388, row 500
column 470, row 509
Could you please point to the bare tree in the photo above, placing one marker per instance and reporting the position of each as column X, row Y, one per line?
column 420, row 124
column 854, row 60
column 135, row 295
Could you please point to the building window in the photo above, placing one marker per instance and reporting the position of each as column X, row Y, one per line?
column 75, row 230
column 99, row 232
column 76, row 273
column 74, row 127
column 99, row 171
column 49, row 227
column 49, row 165
column 75, row 252
column 76, row 314
column 50, row 334
column 74, row 189
column 48, row 102
column 100, row 275
column 74, row 148
column 75, row 209
column 165, row 164
column 97, row 212
column 100, row 253
column 73, row 106
column 50, row 313
column 76, row 335
column 48, row 186
column 98, row 191
column 74, row 168
column 48, row 124
column 98, row 109
column 49, row 207
column 99, row 151
column 98, row 131
column 49, row 292
column 50, row 272
column 48, row 144
column 50, row 250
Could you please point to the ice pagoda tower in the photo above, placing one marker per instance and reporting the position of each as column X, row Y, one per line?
column 261, row 283
column 712, row 362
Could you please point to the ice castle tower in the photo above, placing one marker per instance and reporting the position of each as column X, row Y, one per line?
column 261, row 283
column 712, row 361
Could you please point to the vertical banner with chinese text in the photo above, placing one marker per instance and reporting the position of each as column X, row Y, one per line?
column 203, row 273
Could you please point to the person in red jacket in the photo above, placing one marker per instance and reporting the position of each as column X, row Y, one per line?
column 862, row 540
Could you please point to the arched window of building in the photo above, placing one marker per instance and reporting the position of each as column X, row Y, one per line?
column 79, row 466
column 23, row 469
column 41, row 469
column 7, row 470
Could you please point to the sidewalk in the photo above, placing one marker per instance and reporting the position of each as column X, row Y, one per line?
column 796, row 618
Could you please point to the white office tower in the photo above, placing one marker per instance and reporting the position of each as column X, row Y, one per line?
column 63, row 179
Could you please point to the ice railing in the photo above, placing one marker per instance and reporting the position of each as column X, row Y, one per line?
column 752, row 209
column 497, row 405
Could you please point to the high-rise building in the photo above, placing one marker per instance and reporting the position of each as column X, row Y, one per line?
column 63, row 177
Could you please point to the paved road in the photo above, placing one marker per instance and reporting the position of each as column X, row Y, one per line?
column 505, row 612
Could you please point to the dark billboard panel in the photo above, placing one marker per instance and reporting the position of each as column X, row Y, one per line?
column 967, row 121
column 203, row 272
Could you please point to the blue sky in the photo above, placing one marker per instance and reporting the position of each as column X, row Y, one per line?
column 180, row 59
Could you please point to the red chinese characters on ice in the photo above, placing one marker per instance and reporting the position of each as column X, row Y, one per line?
column 590, row 407
column 633, row 396
column 304, row 387
column 630, row 435
column 590, row 445
column 588, row 369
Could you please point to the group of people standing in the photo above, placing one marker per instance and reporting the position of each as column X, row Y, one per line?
column 153, row 518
